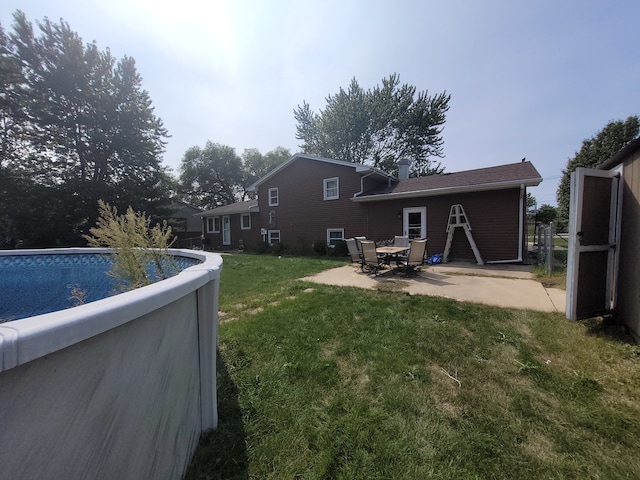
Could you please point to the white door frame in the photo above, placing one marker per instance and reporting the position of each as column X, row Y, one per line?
column 226, row 230
column 423, row 220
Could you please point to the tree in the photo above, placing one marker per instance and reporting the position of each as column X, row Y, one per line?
column 12, row 112
column 593, row 153
column 211, row 176
column 78, row 124
column 377, row 127
column 215, row 175
column 546, row 214
column 531, row 205
column 257, row 165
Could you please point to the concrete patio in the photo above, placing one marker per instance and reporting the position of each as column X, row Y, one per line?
column 501, row 285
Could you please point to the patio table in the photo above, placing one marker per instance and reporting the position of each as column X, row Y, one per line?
column 390, row 253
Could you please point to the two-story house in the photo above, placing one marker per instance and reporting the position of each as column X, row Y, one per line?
column 310, row 198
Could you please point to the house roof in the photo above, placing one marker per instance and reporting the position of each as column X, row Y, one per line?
column 239, row 207
column 489, row 178
column 178, row 204
column 629, row 149
column 357, row 166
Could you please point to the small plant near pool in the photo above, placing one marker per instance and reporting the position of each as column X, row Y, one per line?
column 136, row 246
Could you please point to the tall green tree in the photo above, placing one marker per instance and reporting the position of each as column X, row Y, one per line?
column 546, row 214
column 12, row 109
column 257, row 165
column 593, row 153
column 211, row 176
column 83, row 127
column 377, row 126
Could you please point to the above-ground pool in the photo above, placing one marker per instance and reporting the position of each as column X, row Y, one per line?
column 37, row 283
column 121, row 386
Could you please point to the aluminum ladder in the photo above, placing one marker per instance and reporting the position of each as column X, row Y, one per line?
column 458, row 219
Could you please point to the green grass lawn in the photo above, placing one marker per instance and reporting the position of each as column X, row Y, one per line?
column 321, row 382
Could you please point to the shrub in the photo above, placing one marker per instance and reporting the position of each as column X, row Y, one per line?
column 320, row 247
column 135, row 246
column 277, row 248
column 340, row 249
column 262, row 247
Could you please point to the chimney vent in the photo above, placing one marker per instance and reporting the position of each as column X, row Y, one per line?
column 403, row 168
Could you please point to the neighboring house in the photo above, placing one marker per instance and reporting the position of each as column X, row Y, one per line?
column 231, row 227
column 309, row 199
column 184, row 224
column 604, row 228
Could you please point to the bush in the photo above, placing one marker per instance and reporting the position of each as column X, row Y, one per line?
column 279, row 248
column 139, row 250
column 320, row 247
column 263, row 247
column 340, row 249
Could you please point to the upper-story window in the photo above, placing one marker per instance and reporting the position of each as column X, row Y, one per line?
column 331, row 188
column 273, row 197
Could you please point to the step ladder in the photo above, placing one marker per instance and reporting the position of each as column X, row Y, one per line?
column 458, row 219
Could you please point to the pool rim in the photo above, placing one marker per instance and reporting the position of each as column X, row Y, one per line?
column 27, row 339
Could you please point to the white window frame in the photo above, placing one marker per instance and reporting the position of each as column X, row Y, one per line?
column 334, row 230
column 242, row 217
column 211, row 224
column 270, row 234
column 274, row 201
column 326, row 188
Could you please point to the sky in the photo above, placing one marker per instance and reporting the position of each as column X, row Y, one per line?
column 527, row 79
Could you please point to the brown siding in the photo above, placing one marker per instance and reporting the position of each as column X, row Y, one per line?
column 493, row 216
column 250, row 238
column 628, row 303
column 302, row 215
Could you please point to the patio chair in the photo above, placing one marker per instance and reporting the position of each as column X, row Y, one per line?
column 401, row 241
column 370, row 261
column 354, row 252
column 415, row 257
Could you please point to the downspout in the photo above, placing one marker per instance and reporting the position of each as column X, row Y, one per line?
column 520, row 229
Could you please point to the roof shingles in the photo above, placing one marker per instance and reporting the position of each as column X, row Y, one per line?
column 481, row 178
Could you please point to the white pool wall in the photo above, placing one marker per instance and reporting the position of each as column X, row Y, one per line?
column 119, row 388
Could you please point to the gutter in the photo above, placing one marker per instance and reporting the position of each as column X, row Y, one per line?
column 446, row 190
column 362, row 184
column 520, row 229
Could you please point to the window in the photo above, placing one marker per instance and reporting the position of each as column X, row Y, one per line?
column 245, row 221
column 331, row 188
column 274, row 236
column 213, row 225
column 334, row 235
column 273, row 197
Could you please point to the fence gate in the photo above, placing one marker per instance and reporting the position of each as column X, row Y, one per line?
column 594, row 226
